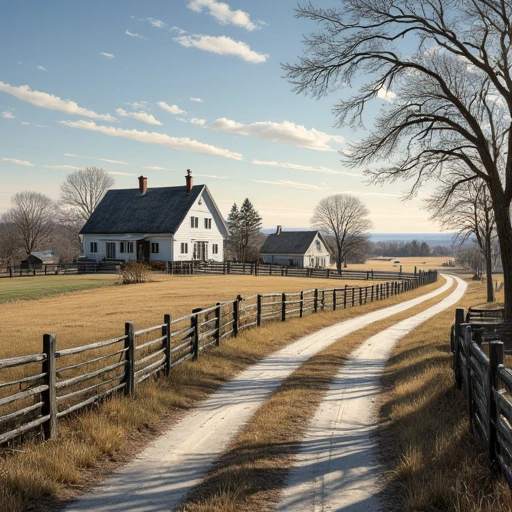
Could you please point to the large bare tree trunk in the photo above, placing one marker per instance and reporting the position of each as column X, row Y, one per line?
column 488, row 268
column 504, row 228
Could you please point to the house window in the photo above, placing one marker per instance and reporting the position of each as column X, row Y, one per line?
column 184, row 248
column 94, row 246
column 126, row 247
column 155, row 247
column 318, row 246
column 215, row 249
column 194, row 222
column 207, row 223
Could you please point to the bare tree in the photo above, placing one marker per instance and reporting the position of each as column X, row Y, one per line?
column 449, row 92
column 345, row 218
column 468, row 210
column 84, row 189
column 32, row 214
column 10, row 244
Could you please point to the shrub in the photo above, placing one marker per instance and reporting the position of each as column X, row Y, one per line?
column 135, row 272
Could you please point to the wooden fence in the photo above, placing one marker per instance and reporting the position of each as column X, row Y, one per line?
column 479, row 370
column 258, row 269
column 38, row 389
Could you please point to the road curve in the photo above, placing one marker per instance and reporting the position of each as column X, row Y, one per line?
column 161, row 476
column 336, row 468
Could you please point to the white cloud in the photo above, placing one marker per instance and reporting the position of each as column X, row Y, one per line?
column 213, row 176
column 63, row 167
column 140, row 105
column 173, row 109
column 117, row 173
column 18, row 162
column 178, row 29
column 50, row 102
column 41, row 68
column 131, row 34
column 223, row 13
column 160, row 139
column 108, row 55
column 222, row 45
column 24, row 123
column 108, row 160
column 197, row 100
column 181, row 119
column 41, row 126
column 371, row 194
column 156, row 23
column 200, row 122
column 291, row 184
column 285, row 132
column 386, row 95
column 7, row 114
column 140, row 116
column 323, row 170
column 117, row 162
column 158, row 168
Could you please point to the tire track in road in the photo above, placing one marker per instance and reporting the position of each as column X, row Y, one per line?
column 336, row 468
column 161, row 476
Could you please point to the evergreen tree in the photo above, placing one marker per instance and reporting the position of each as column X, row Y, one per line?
column 244, row 227
column 250, row 224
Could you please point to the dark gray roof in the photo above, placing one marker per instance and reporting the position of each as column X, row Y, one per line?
column 159, row 210
column 288, row 242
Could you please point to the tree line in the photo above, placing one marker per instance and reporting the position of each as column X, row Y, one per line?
column 35, row 222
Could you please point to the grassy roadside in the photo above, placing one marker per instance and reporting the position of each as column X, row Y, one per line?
column 433, row 461
column 41, row 475
column 252, row 471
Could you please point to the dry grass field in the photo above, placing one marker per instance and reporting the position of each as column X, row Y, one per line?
column 42, row 476
column 92, row 315
column 408, row 264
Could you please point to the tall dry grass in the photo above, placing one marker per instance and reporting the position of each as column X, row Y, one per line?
column 433, row 461
column 41, row 475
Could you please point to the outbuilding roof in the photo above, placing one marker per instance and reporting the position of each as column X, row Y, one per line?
column 290, row 242
column 159, row 210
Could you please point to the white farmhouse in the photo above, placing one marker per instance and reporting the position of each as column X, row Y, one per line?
column 156, row 224
column 300, row 249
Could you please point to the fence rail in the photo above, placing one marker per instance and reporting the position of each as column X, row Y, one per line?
column 39, row 389
column 210, row 268
column 478, row 363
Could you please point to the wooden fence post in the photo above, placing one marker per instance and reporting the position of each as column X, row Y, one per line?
column 315, row 303
column 258, row 309
column 387, row 290
column 345, row 297
column 283, row 307
column 49, row 397
column 236, row 315
column 129, row 359
column 166, row 331
column 194, row 321
column 218, row 323
column 301, row 305
column 353, row 296
column 495, row 358
column 360, row 296
column 322, row 302
column 466, row 337
column 334, row 299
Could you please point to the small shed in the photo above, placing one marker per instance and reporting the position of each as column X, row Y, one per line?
column 38, row 259
column 302, row 249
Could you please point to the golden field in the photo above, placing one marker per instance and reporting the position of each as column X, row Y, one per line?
column 408, row 264
column 83, row 317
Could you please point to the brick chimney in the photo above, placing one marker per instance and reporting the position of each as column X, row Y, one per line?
column 190, row 181
column 279, row 229
column 143, row 184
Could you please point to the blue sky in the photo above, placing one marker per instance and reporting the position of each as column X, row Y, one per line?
column 158, row 87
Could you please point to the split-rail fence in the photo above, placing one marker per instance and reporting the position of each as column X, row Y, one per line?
column 478, row 363
column 39, row 389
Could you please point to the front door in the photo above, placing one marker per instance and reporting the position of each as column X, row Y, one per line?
column 201, row 251
column 111, row 250
column 142, row 250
